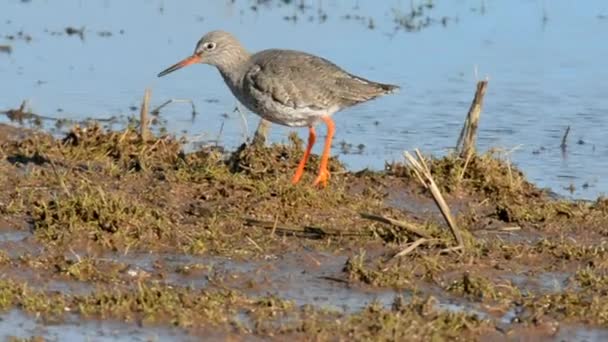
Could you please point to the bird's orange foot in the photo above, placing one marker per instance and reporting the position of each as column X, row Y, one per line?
column 296, row 177
column 322, row 178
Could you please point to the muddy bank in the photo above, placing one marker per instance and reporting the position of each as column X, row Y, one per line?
column 101, row 226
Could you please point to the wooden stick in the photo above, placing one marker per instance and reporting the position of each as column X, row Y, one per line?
column 423, row 173
column 401, row 224
column 143, row 116
column 468, row 134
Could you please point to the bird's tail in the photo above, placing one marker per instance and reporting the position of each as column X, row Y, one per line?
column 389, row 88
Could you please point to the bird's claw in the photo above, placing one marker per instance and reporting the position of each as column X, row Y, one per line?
column 322, row 178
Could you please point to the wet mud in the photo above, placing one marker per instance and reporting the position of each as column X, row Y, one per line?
column 102, row 229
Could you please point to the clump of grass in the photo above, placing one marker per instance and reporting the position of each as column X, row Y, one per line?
column 107, row 219
column 404, row 322
column 587, row 306
column 268, row 316
column 259, row 161
column 497, row 182
column 480, row 174
column 403, row 272
column 88, row 269
column 4, row 258
column 590, row 279
column 145, row 303
column 571, row 250
column 358, row 269
column 126, row 148
column 481, row 288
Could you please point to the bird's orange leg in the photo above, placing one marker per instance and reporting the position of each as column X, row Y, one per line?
column 323, row 176
column 312, row 137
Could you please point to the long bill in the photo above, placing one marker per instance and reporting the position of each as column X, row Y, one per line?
column 187, row 61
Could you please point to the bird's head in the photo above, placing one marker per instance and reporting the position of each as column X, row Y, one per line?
column 217, row 48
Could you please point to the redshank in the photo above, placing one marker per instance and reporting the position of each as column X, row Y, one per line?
column 286, row 87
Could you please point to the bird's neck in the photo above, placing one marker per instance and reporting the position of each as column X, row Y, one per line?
column 234, row 65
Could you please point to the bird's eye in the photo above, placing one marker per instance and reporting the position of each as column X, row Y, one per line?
column 209, row 46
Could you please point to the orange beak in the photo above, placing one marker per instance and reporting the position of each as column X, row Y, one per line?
column 188, row 61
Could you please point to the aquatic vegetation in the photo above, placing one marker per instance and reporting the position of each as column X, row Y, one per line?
column 97, row 192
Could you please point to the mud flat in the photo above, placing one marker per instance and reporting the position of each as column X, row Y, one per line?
column 104, row 233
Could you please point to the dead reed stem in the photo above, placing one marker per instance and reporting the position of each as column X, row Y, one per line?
column 156, row 111
column 261, row 133
column 410, row 248
column 564, row 143
column 410, row 227
column 468, row 134
column 423, row 173
column 144, row 132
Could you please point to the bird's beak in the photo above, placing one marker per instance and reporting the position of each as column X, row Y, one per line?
column 188, row 61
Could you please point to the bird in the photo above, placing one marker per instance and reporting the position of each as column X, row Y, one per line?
column 286, row 87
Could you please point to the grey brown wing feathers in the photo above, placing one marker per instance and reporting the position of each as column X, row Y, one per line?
column 298, row 79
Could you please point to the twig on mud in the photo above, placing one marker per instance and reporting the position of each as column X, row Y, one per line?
column 564, row 143
column 337, row 280
column 78, row 258
column 156, row 111
column 468, row 134
column 254, row 244
column 423, row 173
column 510, row 229
column 410, row 248
column 451, row 249
column 307, row 231
column 274, row 227
column 143, row 116
column 410, row 227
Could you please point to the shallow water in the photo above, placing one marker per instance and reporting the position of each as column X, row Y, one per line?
column 15, row 324
column 545, row 61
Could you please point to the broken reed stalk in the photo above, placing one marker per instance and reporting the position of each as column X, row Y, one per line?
column 244, row 124
column 411, row 248
column 261, row 133
column 144, row 132
column 423, row 173
column 468, row 135
column 410, row 227
column 564, row 143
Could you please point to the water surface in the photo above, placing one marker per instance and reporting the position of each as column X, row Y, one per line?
column 545, row 61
